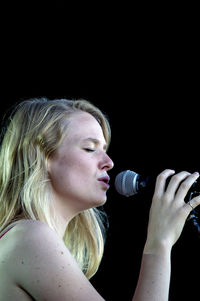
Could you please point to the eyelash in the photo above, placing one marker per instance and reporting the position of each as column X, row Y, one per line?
column 89, row 150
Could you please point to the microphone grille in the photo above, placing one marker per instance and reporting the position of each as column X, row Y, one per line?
column 126, row 183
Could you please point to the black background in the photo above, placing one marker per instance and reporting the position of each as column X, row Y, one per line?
column 139, row 65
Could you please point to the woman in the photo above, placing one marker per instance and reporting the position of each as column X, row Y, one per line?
column 53, row 175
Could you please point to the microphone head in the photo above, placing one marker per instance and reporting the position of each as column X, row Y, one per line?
column 126, row 183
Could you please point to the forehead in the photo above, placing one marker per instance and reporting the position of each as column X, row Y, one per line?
column 83, row 125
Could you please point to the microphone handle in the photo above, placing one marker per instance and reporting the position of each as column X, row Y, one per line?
column 148, row 184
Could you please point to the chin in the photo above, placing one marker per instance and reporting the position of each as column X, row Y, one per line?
column 101, row 202
column 96, row 203
column 93, row 200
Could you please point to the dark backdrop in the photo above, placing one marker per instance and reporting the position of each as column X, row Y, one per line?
column 141, row 68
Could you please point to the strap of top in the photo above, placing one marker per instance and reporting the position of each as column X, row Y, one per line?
column 5, row 232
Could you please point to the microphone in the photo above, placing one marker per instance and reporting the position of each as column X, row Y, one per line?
column 129, row 183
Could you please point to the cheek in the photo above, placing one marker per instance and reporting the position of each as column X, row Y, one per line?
column 80, row 171
column 70, row 170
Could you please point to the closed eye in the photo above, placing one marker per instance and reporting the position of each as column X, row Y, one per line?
column 89, row 150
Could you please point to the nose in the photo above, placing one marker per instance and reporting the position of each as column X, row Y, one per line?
column 106, row 163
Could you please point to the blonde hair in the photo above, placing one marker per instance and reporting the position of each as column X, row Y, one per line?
column 35, row 130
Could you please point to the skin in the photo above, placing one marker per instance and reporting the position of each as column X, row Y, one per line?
column 166, row 221
column 34, row 262
column 75, row 168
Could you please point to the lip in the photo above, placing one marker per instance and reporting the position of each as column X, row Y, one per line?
column 105, row 181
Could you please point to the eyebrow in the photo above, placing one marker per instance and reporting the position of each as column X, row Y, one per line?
column 95, row 141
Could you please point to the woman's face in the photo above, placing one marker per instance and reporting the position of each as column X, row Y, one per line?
column 78, row 170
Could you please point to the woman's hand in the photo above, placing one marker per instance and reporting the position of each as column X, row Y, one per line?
column 169, row 211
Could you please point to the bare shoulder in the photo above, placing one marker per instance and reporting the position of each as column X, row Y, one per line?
column 34, row 239
column 30, row 231
column 28, row 234
column 44, row 268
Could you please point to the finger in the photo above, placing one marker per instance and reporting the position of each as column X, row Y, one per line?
column 193, row 203
column 175, row 182
column 186, row 185
column 161, row 181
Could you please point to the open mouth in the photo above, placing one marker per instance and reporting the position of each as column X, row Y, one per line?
column 105, row 181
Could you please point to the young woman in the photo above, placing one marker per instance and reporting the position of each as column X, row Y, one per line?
column 53, row 174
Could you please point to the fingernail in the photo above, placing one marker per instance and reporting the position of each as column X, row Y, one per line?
column 196, row 173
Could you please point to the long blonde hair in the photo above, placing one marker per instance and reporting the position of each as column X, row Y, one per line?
column 35, row 130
